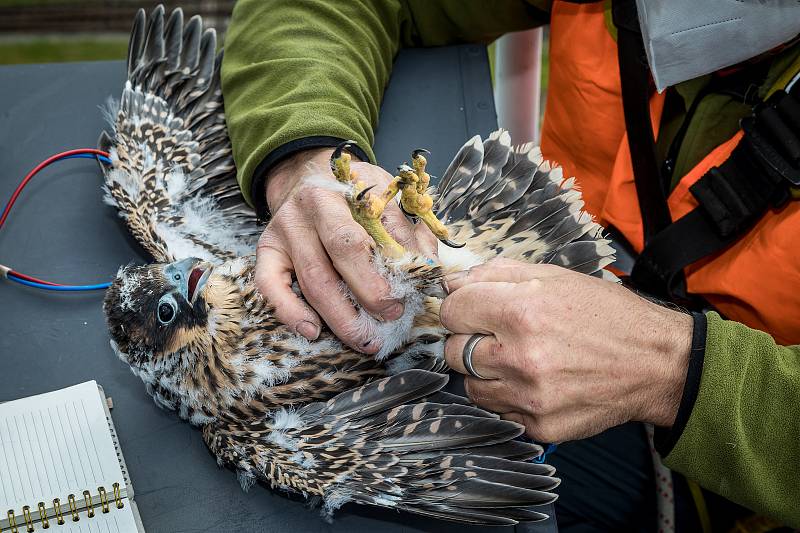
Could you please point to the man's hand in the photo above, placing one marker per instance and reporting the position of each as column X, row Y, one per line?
column 313, row 235
column 568, row 355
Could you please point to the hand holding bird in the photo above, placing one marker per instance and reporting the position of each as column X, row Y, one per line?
column 312, row 236
column 555, row 360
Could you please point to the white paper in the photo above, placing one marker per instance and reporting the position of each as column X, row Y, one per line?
column 53, row 445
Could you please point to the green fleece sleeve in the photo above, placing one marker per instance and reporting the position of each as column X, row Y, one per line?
column 742, row 439
column 299, row 69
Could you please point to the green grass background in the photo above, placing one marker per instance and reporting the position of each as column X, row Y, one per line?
column 17, row 3
column 52, row 49
column 56, row 48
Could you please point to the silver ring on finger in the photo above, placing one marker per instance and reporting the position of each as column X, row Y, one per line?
column 469, row 347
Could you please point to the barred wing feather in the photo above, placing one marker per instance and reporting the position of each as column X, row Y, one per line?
column 508, row 201
column 172, row 176
column 388, row 444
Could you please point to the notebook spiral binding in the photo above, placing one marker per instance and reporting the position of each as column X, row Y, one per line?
column 59, row 516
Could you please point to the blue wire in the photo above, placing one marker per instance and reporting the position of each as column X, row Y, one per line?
column 101, row 158
column 57, row 288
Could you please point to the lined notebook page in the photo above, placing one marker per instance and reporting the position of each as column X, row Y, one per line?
column 53, row 445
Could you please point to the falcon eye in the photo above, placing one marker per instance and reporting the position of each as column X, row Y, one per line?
column 167, row 309
column 176, row 276
column 165, row 313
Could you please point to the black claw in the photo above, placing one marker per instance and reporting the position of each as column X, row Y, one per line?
column 337, row 152
column 363, row 193
column 405, row 168
column 418, row 151
column 412, row 217
column 452, row 244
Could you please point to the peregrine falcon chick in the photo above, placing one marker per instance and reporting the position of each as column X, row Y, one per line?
column 318, row 418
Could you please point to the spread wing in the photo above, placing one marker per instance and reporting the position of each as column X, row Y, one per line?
column 508, row 201
column 398, row 442
column 172, row 176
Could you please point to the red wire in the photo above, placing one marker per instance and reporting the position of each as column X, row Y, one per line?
column 47, row 162
column 31, row 278
column 44, row 164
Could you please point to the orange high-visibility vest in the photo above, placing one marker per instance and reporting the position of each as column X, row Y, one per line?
column 756, row 280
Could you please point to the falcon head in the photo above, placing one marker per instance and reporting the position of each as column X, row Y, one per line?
column 156, row 310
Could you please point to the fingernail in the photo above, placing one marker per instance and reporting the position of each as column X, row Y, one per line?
column 307, row 329
column 393, row 312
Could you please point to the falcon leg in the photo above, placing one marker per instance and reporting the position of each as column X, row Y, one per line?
column 365, row 206
column 415, row 200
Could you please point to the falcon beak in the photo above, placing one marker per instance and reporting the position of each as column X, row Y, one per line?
column 197, row 281
column 194, row 275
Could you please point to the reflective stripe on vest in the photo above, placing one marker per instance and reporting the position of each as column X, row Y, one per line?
column 754, row 281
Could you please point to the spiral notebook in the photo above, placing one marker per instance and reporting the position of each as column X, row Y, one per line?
column 61, row 467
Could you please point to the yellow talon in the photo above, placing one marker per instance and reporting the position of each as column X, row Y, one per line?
column 415, row 198
column 367, row 208
column 418, row 161
column 340, row 163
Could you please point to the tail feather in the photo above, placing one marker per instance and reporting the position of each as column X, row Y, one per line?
column 512, row 450
column 494, row 517
column 479, row 493
column 571, row 228
column 407, row 414
column 464, row 516
column 377, row 395
column 446, row 397
column 451, row 432
column 498, row 463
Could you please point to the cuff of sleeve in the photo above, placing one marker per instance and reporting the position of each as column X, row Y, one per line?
column 259, row 185
column 666, row 438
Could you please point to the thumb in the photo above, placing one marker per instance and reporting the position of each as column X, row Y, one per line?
column 501, row 270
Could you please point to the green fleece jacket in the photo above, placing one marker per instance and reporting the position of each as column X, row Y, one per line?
column 300, row 69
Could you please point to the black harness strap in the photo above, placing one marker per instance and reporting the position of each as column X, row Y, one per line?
column 636, row 91
column 732, row 197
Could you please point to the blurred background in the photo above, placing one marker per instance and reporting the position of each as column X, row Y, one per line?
column 46, row 31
